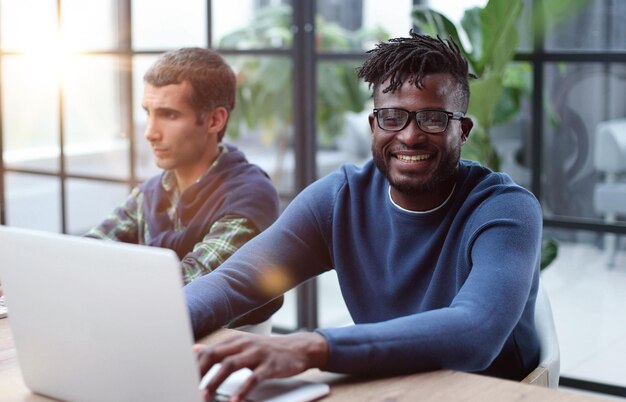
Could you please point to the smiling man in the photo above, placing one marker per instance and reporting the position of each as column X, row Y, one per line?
column 209, row 200
column 437, row 257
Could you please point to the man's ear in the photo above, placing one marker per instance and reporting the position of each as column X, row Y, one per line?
column 216, row 119
column 466, row 127
column 372, row 121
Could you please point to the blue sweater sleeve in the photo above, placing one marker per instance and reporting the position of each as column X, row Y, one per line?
column 286, row 254
column 502, row 249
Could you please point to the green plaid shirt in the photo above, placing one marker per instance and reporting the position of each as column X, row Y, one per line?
column 225, row 236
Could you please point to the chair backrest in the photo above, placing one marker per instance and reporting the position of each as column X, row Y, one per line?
column 610, row 146
column 548, row 371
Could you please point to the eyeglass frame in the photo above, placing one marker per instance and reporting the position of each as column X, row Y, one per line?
column 413, row 115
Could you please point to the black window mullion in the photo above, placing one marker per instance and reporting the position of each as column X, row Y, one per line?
column 209, row 23
column 304, row 94
column 62, row 165
column 124, row 44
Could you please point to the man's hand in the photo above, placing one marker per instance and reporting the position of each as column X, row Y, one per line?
column 267, row 357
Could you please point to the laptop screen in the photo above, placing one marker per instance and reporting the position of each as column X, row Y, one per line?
column 96, row 320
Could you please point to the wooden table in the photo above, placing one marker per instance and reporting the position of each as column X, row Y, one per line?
column 437, row 386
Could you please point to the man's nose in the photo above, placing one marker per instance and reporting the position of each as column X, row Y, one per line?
column 152, row 132
column 412, row 134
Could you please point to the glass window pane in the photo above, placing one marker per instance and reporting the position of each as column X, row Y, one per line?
column 343, row 106
column 89, row 25
column 525, row 28
column 30, row 115
column 90, row 202
column 590, row 25
column 579, row 157
column 357, row 25
column 261, row 124
column 285, row 317
column 95, row 141
column 587, row 299
column 454, row 10
column 617, row 16
column 393, row 18
column 156, row 25
column 511, row 132
column 245, row 24
column 144, row 161
column 24, row 29
column 33, row 201
column 332, row 308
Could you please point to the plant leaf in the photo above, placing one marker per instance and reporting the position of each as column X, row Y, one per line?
column 549, row 252
column 485, row 93
column 499, row 32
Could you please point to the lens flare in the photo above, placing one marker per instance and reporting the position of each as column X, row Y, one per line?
column 276, row 280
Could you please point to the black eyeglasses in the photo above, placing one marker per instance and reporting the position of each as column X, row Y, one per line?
column 430, row 121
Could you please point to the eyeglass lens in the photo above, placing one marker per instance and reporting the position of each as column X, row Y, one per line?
column 431, row 121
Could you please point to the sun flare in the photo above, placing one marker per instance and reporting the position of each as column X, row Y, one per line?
column 52, row 57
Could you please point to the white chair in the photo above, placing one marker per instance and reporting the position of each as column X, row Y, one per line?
column 609, row 196
column 547, row 372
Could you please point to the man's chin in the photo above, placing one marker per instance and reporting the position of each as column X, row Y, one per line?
column 412, row 188
column 162, row 164
column 406, row 182
column 411, row 184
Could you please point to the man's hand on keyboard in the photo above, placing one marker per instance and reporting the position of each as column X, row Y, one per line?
column 267, row 357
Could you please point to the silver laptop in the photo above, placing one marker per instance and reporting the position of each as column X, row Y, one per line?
column 94, row 320
column 97, row 321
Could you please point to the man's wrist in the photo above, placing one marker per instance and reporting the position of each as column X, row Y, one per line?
column 317, row 350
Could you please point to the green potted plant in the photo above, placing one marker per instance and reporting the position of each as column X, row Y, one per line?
column 492, row 32
column 500, row 86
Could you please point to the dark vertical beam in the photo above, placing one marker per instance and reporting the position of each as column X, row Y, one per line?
column 537, row 128
column 537, row 112
column 62, row 167
column 209, row 24
column 606, row 66
column 304, row 98
column 124, row 45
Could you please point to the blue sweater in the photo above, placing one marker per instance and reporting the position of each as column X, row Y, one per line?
column 449, row 289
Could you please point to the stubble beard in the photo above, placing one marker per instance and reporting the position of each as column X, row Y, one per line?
column 444, row 172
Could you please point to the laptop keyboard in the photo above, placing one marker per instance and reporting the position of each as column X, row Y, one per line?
column 3, row 307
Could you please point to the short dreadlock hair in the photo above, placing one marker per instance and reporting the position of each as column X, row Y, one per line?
column 413, row 58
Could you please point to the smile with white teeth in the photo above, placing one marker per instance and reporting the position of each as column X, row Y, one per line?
column 412, row 158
